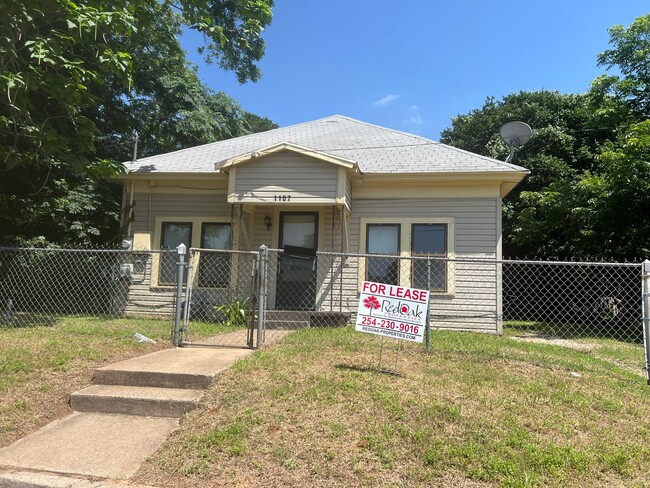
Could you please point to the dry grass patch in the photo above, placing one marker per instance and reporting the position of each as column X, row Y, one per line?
column 479, row 411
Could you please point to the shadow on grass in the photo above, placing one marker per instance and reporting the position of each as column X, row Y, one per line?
column 23, row 320
column 632, row 334
column 368, row 369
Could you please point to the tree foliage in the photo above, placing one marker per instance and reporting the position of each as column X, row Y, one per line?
column 569, row 131
column 80, row 78
column 61, row 59
column 630, row 55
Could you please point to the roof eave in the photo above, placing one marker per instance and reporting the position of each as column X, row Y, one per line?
column 166, row 175
column 497, row 176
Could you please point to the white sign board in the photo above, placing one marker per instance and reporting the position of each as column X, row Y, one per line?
column 392, row 311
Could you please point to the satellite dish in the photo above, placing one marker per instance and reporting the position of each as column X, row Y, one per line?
column 515, row 135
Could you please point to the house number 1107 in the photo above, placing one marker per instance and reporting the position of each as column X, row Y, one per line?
column 281, row 198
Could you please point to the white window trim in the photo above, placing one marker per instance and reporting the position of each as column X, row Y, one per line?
column 405, row 246
column 196, row 241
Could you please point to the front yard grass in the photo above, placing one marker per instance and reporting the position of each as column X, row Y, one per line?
column 479, row 411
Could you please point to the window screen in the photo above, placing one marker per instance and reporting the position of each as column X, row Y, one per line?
column 173, row 234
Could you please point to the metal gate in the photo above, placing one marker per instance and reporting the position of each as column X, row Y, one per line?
column 219, row 304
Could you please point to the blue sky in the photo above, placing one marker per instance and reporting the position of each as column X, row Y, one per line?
column 413, row 65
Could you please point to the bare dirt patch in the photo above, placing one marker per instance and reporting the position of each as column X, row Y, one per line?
column 555, row 341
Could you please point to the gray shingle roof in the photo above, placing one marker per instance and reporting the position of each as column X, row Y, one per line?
column 377, row 150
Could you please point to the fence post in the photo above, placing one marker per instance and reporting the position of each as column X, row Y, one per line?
column 499, row 298
column 261, row 294
column 645, row 277
column 179, row 294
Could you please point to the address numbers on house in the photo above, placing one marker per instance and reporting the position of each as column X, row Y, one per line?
column 281, row 198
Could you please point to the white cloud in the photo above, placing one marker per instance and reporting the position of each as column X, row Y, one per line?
column 413, row 116
column 382, row 102
column 415, row 119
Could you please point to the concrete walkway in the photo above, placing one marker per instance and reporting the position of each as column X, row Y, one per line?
column 118, row 422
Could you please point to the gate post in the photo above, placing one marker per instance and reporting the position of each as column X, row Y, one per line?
column 645, row 296
column 261, row 293
column 179, row 294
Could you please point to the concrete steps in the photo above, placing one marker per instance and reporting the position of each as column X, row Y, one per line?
column 152, row 379
column 286, row 319
column 298, row 319
column 123, row 418
column 134, row 400
column 167, row 383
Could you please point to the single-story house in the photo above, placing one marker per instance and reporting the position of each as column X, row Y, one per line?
column 334, row 185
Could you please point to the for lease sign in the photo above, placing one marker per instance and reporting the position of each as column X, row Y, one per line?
column 392, row 311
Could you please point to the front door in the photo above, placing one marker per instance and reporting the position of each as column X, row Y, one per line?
column 296, row 283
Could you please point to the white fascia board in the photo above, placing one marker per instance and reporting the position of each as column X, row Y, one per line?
column 287, row 146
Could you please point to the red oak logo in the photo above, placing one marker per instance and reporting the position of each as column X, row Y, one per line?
column 372, row 303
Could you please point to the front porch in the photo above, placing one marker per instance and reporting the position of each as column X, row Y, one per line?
column 296, row 235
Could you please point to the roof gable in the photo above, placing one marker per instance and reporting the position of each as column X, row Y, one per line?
column 256, row 154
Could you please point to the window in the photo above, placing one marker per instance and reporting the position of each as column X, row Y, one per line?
column 429, row 240
column 173, row 234
column 215, row 270
column 418, row 237
column 214, row 267
column 383, row 239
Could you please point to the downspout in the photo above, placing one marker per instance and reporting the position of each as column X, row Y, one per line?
column 129, row 213
column 342, row 260
column 149, row 226
column 332, row 261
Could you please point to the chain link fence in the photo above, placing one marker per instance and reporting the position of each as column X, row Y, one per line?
column 39, row 286
column 574, row 300
column 246, row 299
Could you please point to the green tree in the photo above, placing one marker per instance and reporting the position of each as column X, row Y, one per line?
column 630, row 55
column 80, row 79
column 624, row 210
column 255, row 123
column 569, row 131
column 57, row 55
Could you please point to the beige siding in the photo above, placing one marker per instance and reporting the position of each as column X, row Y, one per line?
column 148, row 207
column 471, row 305
column 304, row 179
column 348, row 192
column 145, row 298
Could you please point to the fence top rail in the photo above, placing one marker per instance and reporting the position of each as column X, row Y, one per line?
column 88, row 251
column 54, row 249
column 228, row 251
column 573, row 263
column 486, row 260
